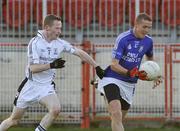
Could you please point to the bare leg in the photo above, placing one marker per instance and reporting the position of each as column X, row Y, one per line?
column 51, row 102
column 114, row 108
column 13, row 119
column 124, row 112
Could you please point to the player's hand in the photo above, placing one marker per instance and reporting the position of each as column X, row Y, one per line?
column 99, row 72
column 58, row 63
column 157, row 81
column 133, row 72
column 142, row 75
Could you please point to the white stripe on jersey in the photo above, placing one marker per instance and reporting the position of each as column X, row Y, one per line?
column 119, row 38
column 148, row 36
column 122, row 35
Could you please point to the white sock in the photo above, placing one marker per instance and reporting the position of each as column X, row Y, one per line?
column 40, row 128
column 37, row 129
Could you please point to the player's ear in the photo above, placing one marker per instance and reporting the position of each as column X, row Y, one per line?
column 46, row 27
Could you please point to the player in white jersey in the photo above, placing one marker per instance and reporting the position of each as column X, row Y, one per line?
column 44, row 51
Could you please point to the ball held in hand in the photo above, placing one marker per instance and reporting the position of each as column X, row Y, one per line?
column 151, row 68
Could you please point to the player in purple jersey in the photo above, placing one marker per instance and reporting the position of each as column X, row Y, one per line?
column 118, row 83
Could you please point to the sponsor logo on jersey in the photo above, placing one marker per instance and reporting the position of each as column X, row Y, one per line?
column 129, row 46
column 136, row 44
column 49, row 50
column 140, row 49
column 55, row 51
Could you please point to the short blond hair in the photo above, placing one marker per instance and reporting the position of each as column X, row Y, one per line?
column 143, row 16
column 49, row 19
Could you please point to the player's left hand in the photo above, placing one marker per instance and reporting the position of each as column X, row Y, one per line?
column 142, row 75
column 58, row 63
column 99, row 72
column 157, row 81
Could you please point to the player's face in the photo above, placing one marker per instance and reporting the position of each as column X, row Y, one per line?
column 55, row 30
column 142, row 28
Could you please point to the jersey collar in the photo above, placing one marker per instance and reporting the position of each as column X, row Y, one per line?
column 40, row 34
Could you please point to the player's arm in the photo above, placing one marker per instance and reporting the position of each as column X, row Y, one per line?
column 35, row 68
column 85, row 57
column 149, row 58
column 115, row 66
column 117, row 54
column 58, row 63
column 149, row 54
column 33, row 58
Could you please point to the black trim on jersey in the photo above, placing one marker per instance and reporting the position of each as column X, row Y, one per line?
column 19, row 90
column 30, row 44
column 30, row 74
column 54, row 84
column 41, row 35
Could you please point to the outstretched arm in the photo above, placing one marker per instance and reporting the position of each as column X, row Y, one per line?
column 85, row 57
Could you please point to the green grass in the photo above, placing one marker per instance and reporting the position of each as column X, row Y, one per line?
column 97, row 129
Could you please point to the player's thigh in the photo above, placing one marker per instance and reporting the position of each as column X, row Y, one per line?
column 114, row 106
column 50, row 101
column 112, row 93
column 17, row 113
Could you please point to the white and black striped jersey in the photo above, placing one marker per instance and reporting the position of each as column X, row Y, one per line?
column 42, row 52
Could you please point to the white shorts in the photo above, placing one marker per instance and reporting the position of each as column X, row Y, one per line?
column 126, row 89
column 33, row 92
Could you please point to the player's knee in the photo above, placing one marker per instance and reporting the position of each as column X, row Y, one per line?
column 115, row 110
column 55, row 111
column 14, row 121
column 116, row 115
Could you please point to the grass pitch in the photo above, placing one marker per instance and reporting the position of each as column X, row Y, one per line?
column 98, row 129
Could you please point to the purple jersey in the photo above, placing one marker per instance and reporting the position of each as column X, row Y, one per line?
column 129, row 50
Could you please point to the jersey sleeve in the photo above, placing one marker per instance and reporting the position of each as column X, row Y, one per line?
column 149, row 52
column 68, row 47
column 33, row 52
column 118, row 49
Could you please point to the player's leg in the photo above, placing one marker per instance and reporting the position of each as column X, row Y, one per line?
column 112, row 94
column 51, row 102
column 17, row 112
column 114, row 109
column 14, row 119
column 124, row 112
column 124, row 108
